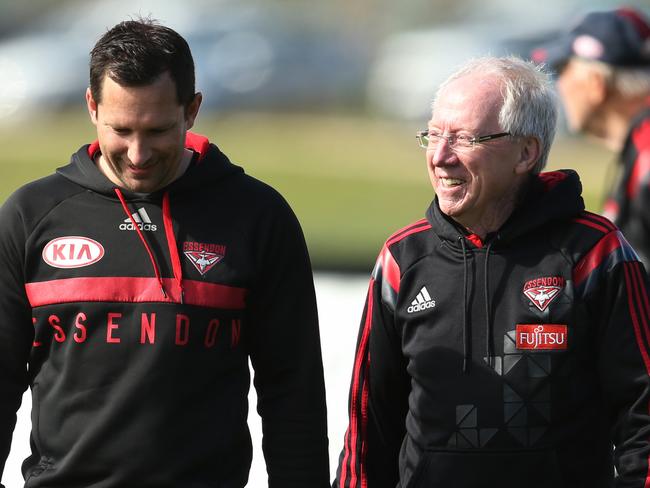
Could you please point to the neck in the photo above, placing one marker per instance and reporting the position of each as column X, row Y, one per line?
column 185, row 163
column 612, row 122
column 493, row 218
column 104, row 167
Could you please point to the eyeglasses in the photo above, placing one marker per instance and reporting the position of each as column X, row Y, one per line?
column 429, row 139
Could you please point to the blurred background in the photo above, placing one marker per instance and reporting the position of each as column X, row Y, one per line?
column 319, row 99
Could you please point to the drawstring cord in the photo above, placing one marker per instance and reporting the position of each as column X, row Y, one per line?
column 118, row 192
column 171, row 243
column 489, row 347
column 466, row 331
column 488, row 325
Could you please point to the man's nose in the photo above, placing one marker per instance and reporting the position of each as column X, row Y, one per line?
column 442, row 153
column 138, row 152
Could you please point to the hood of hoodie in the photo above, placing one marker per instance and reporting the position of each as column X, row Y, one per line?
column 547, row 197
column 209, row 165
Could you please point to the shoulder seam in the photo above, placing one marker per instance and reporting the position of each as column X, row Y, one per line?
column 595, row 221
column 50, row 209
column 419, row 226
column 406, row 228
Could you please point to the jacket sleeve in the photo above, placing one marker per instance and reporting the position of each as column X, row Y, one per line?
column 284, row 345
column 379, row 390
column 16, row 329
column 641, row 200
column 629, row 204
column 637, row 190
column 615, row 286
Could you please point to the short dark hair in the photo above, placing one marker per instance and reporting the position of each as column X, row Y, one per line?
column 136, row 52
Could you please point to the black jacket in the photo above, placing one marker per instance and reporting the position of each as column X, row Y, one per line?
column 132, row 318
column 628, row 206
column 514, row 362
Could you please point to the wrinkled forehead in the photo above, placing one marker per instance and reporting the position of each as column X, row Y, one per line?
column 470, row 102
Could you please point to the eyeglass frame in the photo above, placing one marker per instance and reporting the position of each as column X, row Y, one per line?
column 452, row 138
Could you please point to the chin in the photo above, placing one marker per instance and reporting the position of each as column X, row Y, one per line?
column 450, row 211
column 138, row 187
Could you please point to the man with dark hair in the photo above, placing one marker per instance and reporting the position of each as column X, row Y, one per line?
column 505, row 340
column 603, row 67
column 137, row 282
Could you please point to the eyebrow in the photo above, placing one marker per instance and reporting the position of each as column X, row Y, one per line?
column 118, row 126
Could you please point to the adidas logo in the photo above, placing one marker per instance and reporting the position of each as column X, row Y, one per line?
column 422, row 301
column 142, row 220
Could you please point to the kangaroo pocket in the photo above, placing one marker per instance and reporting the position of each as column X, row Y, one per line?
column 499, row 468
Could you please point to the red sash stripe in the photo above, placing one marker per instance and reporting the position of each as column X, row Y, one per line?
column 134, row 290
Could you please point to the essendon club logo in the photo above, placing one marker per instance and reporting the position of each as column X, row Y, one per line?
column 204, row 256
column 542, row 291
column 542, row 336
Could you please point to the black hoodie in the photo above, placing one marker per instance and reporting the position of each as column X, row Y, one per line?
column 132, row 317
column 517, row 361
column 628, row 205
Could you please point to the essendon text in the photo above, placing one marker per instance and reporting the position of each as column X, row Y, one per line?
column 144, row 329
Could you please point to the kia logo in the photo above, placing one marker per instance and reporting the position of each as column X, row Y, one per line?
column 72, row 252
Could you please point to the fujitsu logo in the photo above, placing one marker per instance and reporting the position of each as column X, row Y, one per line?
column 542, row 291
column 542, row 336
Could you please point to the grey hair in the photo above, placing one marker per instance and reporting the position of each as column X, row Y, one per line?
column 629, row 82
column 530, row 107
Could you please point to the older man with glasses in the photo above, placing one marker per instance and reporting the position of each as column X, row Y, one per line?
column 505, row 340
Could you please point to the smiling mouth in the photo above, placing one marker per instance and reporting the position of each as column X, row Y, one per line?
column 140, row 170
column 450, row 182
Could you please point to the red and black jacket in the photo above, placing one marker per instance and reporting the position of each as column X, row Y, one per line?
column 132, row 317
column 628, row 206
column 518, row 361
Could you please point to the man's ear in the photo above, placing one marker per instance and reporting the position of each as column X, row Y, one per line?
column 192, row 110
column 529, row 155
column 92, row 106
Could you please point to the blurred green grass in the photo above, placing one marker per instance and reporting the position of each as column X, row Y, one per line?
column 351, row 179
